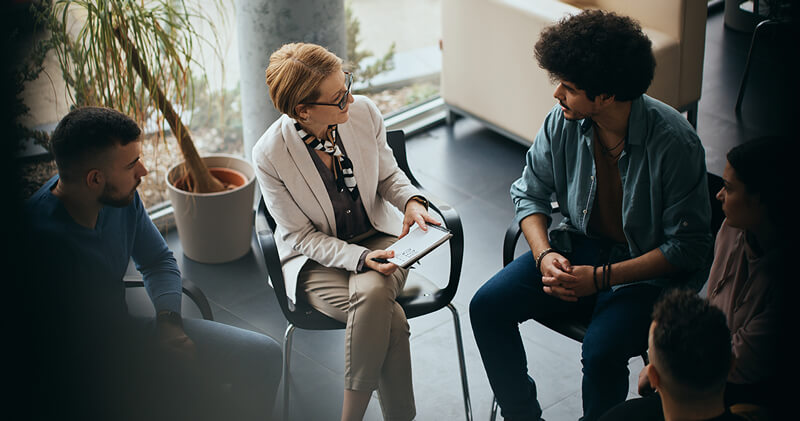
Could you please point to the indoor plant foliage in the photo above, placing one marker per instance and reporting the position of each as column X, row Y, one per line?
column 133, row 56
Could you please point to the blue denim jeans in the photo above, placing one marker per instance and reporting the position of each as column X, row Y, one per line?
column 617, row 331
column 248, row 363
column 234, row 374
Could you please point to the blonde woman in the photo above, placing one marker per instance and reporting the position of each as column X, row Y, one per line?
column 339, row 200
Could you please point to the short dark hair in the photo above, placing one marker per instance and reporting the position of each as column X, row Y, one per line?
column 763, row 165
column 692, row 341
column 86, row 131
column 600, row 52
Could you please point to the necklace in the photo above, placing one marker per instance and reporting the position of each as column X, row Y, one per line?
column 608, row 150
column 612, row 155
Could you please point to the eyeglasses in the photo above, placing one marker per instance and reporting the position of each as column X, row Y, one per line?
column 343, row 102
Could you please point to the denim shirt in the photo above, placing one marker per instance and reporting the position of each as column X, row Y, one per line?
column 665, row 195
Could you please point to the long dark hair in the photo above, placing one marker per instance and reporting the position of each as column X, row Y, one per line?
column 763, row 165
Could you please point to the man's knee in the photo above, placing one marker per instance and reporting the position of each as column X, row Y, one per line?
column 602, row 355
column 481, row 305
column 494, row 295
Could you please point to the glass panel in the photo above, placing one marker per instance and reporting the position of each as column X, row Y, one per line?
column 396, row 58
column 406, row 34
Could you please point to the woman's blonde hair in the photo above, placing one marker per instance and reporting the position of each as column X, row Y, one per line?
column 295, row 72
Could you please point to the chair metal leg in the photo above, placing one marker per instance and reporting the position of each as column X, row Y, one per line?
column 461, row 362
column 493, row 415
column 287, row 352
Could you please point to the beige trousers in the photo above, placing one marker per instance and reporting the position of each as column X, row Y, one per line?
column 377, row 354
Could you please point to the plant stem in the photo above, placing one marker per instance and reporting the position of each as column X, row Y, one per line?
column 203, row 181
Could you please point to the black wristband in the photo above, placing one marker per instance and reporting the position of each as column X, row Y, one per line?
column 594, row 278
column 605, row 284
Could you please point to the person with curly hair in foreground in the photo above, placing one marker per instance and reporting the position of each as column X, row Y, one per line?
column 629, row 174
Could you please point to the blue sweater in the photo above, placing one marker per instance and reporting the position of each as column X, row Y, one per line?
column 95, row 260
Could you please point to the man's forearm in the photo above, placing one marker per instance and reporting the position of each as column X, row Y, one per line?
column 534, row 227
column 650, row 265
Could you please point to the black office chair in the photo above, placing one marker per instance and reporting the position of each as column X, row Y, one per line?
column 779, row 25
column 419, row 297
column 575, row 328
column 139, row 303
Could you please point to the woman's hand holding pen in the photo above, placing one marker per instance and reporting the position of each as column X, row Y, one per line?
column 376, row 260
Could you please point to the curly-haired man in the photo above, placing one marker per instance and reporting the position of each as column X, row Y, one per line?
column 629, row 176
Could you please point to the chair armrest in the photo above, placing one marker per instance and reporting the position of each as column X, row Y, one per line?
column 187, row 287
column 512, row 236
column 510, row 242
column 194, row 292
column 452, row 221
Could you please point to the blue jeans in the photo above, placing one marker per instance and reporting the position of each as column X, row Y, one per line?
column 617, row 331
column 246, row 363
column 234, row 375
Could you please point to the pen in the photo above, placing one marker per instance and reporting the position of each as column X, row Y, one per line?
column 379, row 260
column 439, row 227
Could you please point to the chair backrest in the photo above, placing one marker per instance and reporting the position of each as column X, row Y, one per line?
column 397, row 141
column 299, row 314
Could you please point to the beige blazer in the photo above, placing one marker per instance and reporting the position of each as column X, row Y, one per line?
column 296, row 197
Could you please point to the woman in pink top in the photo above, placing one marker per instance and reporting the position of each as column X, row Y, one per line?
column 745, row 279
column 748, row 278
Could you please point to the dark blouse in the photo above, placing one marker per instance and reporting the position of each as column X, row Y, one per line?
column 351, row 217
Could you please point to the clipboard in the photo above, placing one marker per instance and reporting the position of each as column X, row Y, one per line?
column 417, row 243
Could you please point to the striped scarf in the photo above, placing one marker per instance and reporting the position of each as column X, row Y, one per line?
column 342, row 166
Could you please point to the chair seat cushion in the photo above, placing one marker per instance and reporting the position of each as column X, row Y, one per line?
column 574, row 329
column 419, row 295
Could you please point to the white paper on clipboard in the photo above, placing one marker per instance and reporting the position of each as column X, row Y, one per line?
column 417, row 243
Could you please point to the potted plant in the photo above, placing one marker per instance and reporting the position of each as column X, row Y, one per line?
column 135, row 56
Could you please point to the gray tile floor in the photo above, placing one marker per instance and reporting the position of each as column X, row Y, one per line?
column 445, row 160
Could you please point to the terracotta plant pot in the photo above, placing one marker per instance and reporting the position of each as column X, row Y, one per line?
column 230, row 178
column 215, row 227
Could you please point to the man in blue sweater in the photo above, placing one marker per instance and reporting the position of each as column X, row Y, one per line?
column 89, row 222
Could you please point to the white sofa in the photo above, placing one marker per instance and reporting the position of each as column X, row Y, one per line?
column 489, row 72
